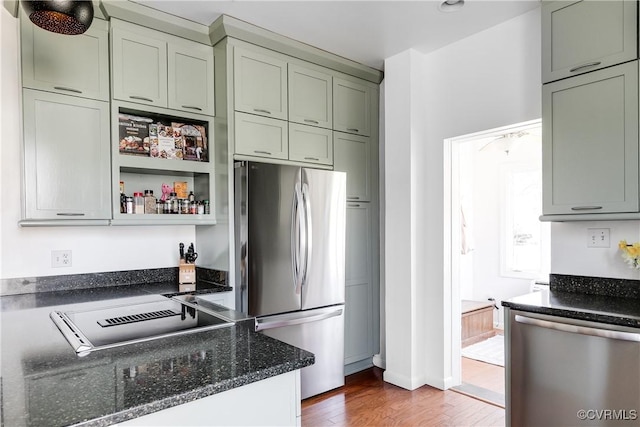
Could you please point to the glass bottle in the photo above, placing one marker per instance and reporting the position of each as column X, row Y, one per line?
column 175, row 203
column 138, row 203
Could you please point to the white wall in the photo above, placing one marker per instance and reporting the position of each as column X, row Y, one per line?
column 488, row 80
column 26, row 252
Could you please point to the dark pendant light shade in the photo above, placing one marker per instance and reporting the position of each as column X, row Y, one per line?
column 60, row 16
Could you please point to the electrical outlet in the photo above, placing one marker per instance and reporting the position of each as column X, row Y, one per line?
column 61, row 258
column 598, row 237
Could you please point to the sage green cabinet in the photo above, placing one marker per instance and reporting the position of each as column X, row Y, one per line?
column 66, row 157
column 310, row 97
column 191, row 78
column 581, row 36
column 358, row 340
column 310, row 144
column 153, row 68
column 72, row 65
column 590, row 142
column 261, row 136
column 351, row 107
column 139, row 64
column 352, row 154
column 260, row 83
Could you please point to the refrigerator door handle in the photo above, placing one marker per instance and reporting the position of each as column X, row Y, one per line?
column 308, row 230
column 298, row 238
column 288, row 320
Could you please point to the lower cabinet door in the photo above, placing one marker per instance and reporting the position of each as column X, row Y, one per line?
column 66, row 157
column 310, row 144
column 261, row 136
column 357, row 323
column 358, row 344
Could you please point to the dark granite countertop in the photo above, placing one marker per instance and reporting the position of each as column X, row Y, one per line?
column 610, row 301
column 44, row 382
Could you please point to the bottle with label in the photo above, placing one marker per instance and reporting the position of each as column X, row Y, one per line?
column 129, row 205
column 207, row 207
column 175, row 203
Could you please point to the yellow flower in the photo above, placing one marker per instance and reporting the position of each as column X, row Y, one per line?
column 622, row 244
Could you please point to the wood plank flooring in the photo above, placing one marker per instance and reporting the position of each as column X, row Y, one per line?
column 366, row 400
column 482, row 374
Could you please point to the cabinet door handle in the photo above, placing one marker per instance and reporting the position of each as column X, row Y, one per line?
column 141, row 98
column 68, row 89
column 70, row 214
column 353, row 205
column 353, row 198
column 583, row 66
column 192, row 108
column 260, row 110
column 262, row 152
column 312, row 158
column 585, row 208
column 315, row 122
column 353, row 130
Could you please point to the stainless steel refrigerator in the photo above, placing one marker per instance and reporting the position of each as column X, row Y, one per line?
column 290, row 260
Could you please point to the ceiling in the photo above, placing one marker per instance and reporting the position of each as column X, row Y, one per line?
column 364, row 31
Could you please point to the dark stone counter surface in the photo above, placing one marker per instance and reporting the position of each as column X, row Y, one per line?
column 44, row 382
column 611, row 301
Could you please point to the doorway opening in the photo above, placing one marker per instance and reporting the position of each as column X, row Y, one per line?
column 499, row 249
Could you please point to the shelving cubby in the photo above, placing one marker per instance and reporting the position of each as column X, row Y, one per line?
column 141, row 172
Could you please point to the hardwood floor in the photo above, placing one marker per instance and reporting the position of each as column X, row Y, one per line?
column 366, row 400
column 483, row 375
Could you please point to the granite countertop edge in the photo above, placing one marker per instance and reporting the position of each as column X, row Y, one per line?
column 195, row 394
column 579, row 314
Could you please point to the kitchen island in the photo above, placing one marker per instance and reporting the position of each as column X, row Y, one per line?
column 201, row 378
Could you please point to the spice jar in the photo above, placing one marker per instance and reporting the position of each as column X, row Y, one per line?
column 200, row 208
column 184, row 206
column 167, row 206
column 138, row 203
column 193, row 207
column 175, row 203
column 129, row 205
column 159, row 207
column 149, row 202
column 207, row 207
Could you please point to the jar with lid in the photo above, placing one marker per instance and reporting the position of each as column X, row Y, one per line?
column 175, row 203
column 207, row 207
column 200, row 208
column 166, row 208
column 159, row 207
column 138, row 203
column 184, row 206
column 149, row 202
column 193, row 207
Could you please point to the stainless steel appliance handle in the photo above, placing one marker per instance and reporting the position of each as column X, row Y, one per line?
column 295, row 230
column 280, row 322
column 583, row 330
column 298, row 234
column 308, row 232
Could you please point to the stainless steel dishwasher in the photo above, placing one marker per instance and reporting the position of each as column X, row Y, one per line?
column 568, row 372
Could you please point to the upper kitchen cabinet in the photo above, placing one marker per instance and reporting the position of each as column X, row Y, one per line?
column 153, row 68
column 66, row 159
column 190, row 73
column 72, row 65
column 310, row 97
column 260, row 83
column 310, row 144
column 352, row 154
column 582, row 36
column 590, row 143
column 351, row 107
column 139, row 64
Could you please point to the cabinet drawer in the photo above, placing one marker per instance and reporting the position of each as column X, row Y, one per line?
column 261, row 136
column 582, row 36
column 310, row 144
